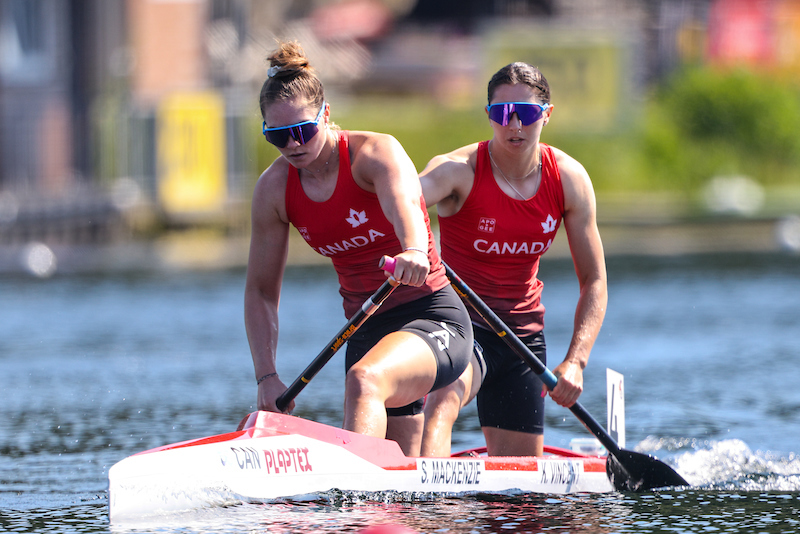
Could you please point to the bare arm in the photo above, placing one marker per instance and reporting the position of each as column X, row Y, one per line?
column 448, row 178
column 580, row 222
column 381, row 164
column 269, row 245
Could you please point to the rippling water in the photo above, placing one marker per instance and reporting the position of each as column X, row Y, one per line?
column 95, row 368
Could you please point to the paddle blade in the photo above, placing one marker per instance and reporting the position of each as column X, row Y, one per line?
column 634, row 471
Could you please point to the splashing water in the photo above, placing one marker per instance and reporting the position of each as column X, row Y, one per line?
column 728, row 464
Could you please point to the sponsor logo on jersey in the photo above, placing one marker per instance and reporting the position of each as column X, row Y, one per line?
column 487, row 225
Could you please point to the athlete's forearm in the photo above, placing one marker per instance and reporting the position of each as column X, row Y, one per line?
column 261, row 325
column 589, row 314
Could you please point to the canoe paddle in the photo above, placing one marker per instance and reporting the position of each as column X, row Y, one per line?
column 369, row 307
column 627, row 470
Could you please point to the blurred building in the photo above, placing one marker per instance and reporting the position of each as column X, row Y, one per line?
column 144, row 112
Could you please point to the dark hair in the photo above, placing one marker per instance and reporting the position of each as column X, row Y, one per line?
column 520, row 72
column 290, row 76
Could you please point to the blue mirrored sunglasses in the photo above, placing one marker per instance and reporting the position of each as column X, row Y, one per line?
column 302, row 132
column 527, row 112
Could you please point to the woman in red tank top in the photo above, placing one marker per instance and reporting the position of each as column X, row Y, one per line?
column 500, row 203
column 354, row 197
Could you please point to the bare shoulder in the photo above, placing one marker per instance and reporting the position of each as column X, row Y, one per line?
column 458, row 164
column 578, row 189
column 270, row 191
column 372, row 145
column 569, row 167
column 447, row 179
column 379, row 160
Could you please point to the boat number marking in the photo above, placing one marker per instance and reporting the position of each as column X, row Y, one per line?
column 457, row 472
column 294, row 460
column 560, row 472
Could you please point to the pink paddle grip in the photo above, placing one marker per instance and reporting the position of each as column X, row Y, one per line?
column 388, row 264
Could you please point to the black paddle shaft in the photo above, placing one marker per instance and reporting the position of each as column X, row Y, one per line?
column 627, row 470
column 367, row 309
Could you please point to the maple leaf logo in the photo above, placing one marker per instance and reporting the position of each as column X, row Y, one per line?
column 357, row 218
column 549, row 225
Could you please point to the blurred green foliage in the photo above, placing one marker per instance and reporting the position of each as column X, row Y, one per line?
column 705, row 122
column 699, row 123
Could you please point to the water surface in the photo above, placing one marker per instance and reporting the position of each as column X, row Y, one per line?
column 95, row 368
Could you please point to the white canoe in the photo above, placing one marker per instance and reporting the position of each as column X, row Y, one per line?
column 274, row 456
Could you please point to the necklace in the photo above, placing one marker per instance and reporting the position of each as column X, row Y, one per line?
column 330, row 157
column 536, row 166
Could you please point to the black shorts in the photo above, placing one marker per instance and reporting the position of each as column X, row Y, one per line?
column 511, row 395
column 441, row 319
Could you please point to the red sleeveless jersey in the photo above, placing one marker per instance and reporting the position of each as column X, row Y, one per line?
column 352, row 230
column 494, row 242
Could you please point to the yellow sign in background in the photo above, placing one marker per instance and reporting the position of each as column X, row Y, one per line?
column 191, row 154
